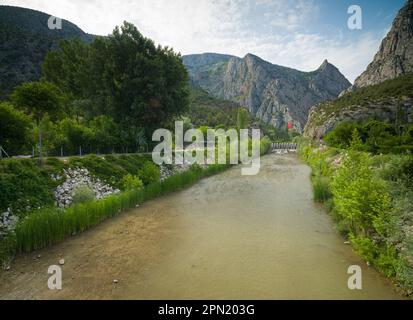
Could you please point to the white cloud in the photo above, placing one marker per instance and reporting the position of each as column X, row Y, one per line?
column 272, row 29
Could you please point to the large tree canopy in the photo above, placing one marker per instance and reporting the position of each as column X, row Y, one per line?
column 38, row 99
column 14, row 128
column 124, row 76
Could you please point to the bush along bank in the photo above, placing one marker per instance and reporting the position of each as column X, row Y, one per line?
column 369, row 197
column 85, row 191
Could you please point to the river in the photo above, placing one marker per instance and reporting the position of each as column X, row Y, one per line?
column 227, row 237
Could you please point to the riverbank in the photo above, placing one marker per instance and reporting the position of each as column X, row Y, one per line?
column 52, row 224
column 369, row 198
column 85, row 191
column 227, row 237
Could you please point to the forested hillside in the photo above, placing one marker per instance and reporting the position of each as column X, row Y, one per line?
column 24, row 41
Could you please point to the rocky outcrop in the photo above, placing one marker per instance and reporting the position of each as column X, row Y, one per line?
column 323, row 119
column 8, row 222
column 275, row 94
column 395, row 57
column 76, row 177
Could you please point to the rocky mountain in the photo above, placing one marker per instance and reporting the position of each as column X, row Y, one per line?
column 385, row 88
column 395, row 57
column 273, row 93
column 24, row 41
column 389, row 101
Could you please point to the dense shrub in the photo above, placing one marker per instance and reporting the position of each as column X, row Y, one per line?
column 376, row 137
column 14, row 129
column 149, row 173
column 340, row 136
column 130, row 182
column 83, row 194
column 265, row 145
column 360, row 198
column 24, row 185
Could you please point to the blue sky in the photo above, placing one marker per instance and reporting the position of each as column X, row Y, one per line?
column 294, row 33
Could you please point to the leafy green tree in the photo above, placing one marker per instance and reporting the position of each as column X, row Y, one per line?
column 341, row 136
column 38, row 99
column 50, row 134
column 124, row 76
column 69, row 69
column 14, row 128
column 105, row 133
column 75, row 135
column 141, row 140
column 378, row 134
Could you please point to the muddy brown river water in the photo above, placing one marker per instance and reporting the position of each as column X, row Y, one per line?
column 227, row 237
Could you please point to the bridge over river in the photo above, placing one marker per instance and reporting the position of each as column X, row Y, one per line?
column 284, row 147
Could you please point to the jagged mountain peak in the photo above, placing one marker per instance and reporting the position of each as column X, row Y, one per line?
column 395, row 56
column 324, row 65
column 250, row 56
column 276, row 94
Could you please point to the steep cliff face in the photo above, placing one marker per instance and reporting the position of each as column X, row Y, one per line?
column 395, row 57
column 24, row 41
column 207, row 70
column 273, row 93
column 380, row 91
